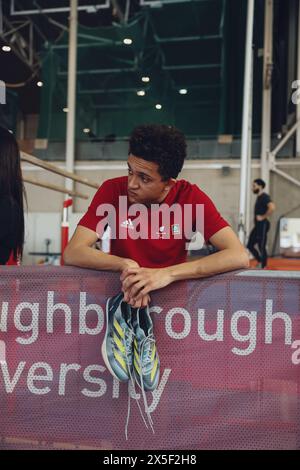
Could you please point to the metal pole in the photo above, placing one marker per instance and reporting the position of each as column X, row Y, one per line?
column 248, row 193
column 286, row 176
column 71, row 115
column 282, row 143
column 55, row 169
column 267, row 92
column 298, row 78
column 246, row 116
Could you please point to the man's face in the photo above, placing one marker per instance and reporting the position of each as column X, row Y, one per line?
column 255, row 188
column 145, row 185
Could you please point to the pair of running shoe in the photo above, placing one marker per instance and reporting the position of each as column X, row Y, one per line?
column 129, row 350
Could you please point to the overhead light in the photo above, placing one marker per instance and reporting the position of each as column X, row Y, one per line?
column 127, row 41
column 6, row 48
column 158, row 106
column 40, row 84
column 141, row 93
column 146, row 79
column 183, row 91
column 65, row 110
column 86, row 130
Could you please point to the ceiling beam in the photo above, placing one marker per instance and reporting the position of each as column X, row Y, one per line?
column 39, row 11
column 191, row 66
column 188, row 38
column 111, row 90
column 99, row 71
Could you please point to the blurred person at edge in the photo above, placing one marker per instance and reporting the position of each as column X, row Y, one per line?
column 11, row 200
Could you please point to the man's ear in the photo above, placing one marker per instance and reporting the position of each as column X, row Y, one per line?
column 170, row 184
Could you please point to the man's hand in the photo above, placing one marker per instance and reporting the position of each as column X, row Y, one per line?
column 129, row 263
column 138, row 282
column 260, row 218
column 143, row 301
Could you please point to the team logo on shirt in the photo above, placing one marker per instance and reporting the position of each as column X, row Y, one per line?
column 161, row 231
column 175, row 229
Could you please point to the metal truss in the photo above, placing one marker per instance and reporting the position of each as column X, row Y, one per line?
column 38, row 11
column 19, row 35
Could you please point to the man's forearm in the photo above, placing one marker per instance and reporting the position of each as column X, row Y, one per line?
column 223, row 261
column 86, row 257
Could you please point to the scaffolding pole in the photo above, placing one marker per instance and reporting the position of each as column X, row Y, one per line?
column 71, row 115
column 246, row 121
column 267, row 92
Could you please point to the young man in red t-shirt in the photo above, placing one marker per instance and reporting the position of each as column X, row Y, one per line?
column 147, row 248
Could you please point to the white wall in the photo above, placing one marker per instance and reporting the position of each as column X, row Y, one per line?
column 40, row 226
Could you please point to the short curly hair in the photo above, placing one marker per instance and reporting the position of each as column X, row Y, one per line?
column 161, row 144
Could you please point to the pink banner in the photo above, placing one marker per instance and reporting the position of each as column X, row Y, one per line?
column 230, row 363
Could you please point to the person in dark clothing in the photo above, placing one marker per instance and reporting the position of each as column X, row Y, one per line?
column 262, row 210
column 11, row 200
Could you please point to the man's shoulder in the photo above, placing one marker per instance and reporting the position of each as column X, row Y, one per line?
column 266, row 197
column 188, row 190
column 116, row 186
column 120, row 182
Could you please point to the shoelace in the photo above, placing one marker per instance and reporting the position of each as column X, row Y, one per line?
column 146, row 353
column 128, row 349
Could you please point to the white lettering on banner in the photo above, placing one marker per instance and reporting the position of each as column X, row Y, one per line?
column 296, row 354
column 155, row 309
column 32, row 377
column 270, row 317
column 3, row 318
column 116, row 388
column 157, row 393
column 250, row 336
column 33, row 327
column 51, row 308
column 64, row 369
column 2, row 351
column 187, row 323
column 8, row 382
column 94, row 380
column 83, row 328
column 26, row 319
column 218, row 336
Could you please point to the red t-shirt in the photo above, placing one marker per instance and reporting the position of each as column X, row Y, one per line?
column 169, row 247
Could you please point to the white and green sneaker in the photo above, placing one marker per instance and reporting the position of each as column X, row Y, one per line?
column 117, row 345
column 146, row 364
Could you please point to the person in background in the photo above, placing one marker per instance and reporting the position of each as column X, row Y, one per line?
column 264, row 207
column 11, row 200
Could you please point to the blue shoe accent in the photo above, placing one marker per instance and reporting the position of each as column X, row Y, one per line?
column 117, row 345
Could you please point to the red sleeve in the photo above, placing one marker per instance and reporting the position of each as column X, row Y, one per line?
column 213, row 221
column 104, row 195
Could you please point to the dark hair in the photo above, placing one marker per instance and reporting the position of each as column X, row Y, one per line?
column 11, row 184
column 260, row 182
column 164, row 145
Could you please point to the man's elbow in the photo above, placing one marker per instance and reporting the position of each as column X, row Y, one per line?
column 244, row 260
column 68, row 256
